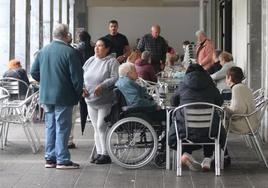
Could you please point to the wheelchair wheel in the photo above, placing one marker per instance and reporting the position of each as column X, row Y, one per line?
column 132, row 142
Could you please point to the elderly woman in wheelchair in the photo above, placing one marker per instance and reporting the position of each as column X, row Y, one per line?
column 137, row 134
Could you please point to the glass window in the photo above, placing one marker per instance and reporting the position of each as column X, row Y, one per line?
column 20, row 31
column 4, row 35
column 64, row 11
column 34, row 28
column 71, row 18
column 56, row 12
column 46, row 22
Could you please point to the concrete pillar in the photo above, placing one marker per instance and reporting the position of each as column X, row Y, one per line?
column 264, row 66
column 201, row 15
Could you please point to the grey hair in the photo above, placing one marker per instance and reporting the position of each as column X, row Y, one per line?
column 125, row 68
column 200, row 32
column 146, row 55
column 60, row 31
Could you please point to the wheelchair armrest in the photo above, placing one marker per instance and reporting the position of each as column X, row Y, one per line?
column 133, row 109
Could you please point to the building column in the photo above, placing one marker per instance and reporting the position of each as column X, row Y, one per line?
column 264, row 68
column 201, row 15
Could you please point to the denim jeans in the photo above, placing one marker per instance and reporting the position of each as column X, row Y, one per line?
column 58, row 120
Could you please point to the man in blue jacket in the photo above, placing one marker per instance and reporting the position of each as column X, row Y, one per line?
column 58, row 69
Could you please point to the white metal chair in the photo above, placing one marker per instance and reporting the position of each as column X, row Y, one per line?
column 258, row 96
column 4, row 95
column 18, row 89
column 152, row 87
column 21, row 112
column 199, row 115
column 253, row 134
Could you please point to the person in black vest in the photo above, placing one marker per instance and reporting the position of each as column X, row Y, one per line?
column 120, row 43
column 197, row 86
column 86, row 51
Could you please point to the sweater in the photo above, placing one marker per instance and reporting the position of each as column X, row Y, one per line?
column 145, row 70
column 102, row 72
column 58, row 69
column 219, row 76
column 242, row 103
column 134, row 94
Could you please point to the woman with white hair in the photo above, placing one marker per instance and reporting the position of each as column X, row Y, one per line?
column 136, row 95
column 226, row 61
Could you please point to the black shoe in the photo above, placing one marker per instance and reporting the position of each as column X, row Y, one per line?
column 71, row 146
column 94, row 158
column 69, row 165
column 227, row 161
column 50, row 164
column 103, row 159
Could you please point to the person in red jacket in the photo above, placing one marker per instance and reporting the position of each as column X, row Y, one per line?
column 205, row 50
column 144, row 68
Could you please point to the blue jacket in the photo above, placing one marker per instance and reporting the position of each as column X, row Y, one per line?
column 58, row 69
column 134, row 94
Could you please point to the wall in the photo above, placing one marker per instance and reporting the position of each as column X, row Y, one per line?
column 177, row 23
column 255, row 40
column 239, row 33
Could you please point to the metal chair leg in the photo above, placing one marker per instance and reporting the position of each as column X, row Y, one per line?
column 179, row 153
column 260, row 150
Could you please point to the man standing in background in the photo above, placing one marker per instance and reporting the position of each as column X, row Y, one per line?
column 57, row 69
column 156, row 45
column 119, row 41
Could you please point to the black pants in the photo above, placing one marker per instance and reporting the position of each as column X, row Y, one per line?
column 207, row 149
column 158, row 115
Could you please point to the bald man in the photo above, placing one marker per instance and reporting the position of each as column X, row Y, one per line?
column 156, row 45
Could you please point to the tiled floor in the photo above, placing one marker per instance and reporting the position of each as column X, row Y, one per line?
column 20, row 168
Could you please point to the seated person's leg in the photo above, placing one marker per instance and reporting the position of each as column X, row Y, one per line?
column 157, row 116
column 208, row 154
column 187, row 159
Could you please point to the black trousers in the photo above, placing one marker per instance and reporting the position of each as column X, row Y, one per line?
column 207, row 149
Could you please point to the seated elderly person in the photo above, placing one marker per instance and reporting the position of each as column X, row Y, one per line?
column 144, row 68
column 134, row 55
column 15, row 70
column 216, row 65
column 242, row 101
column 226, row 61
column 197, row 86
column 136, row 95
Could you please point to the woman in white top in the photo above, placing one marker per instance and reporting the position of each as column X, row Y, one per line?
column 226, row 61
column 242, row 101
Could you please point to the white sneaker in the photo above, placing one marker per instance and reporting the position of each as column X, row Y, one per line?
column 189, row 161
column 206, row 163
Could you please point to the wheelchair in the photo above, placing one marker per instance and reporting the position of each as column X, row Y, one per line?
column 133, row 140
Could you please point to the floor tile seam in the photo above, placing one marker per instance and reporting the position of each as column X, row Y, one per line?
column 163, row 179
column 82, row 171
column 107, row 175
column 23, row 175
